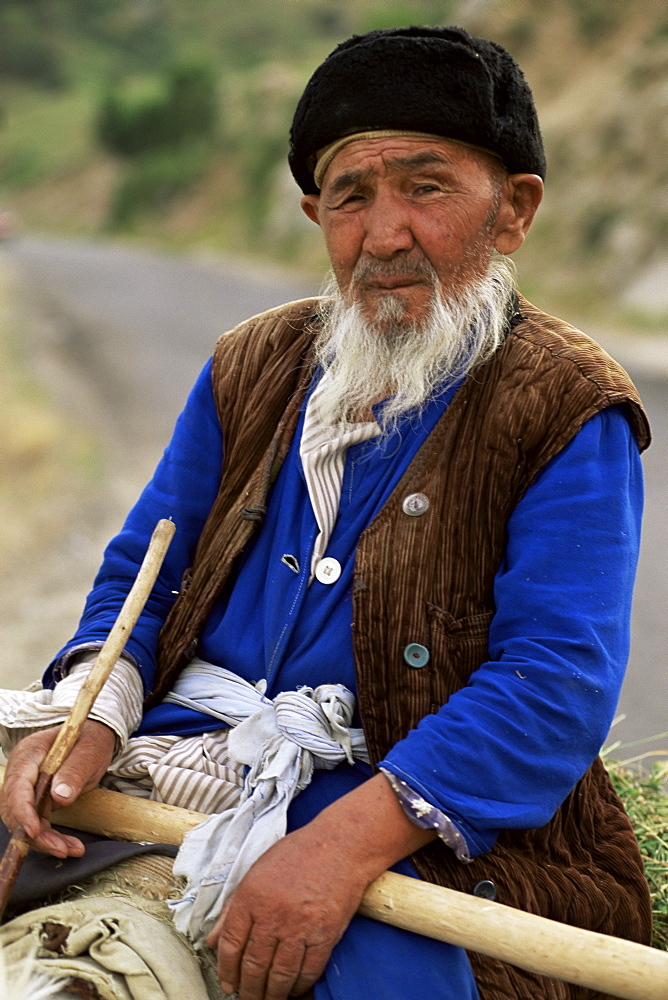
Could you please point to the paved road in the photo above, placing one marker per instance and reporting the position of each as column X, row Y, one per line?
column 144, row 323
column 141, row 325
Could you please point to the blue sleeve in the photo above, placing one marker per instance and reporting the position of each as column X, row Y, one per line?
column 183, row 488
column 506, row 750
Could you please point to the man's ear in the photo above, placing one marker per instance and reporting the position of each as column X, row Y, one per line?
column 521, row 196
column 311, row 207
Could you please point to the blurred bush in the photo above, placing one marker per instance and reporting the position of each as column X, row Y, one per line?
column 26, row 55
column 188, row 109
column 154, row 180
column 595, row 19
column 167, row 137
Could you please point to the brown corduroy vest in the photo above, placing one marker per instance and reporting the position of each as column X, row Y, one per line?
column 429, row 580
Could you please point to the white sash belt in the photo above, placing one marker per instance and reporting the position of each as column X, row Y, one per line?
column 281, row 741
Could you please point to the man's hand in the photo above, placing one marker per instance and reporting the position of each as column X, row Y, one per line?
column 277, row 931
column 275, row 934
column 82, row 770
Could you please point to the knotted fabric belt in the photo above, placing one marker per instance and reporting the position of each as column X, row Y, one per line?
column 281, row 741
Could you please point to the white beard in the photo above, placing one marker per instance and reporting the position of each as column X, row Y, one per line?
column 408, row 361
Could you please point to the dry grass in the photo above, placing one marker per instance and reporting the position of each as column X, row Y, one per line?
column 44, row 458
column 645, row 797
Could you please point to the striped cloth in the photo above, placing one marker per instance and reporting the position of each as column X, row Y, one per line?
column 194, row 772
column 323, row 457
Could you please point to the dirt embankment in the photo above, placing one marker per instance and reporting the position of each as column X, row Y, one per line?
column 57, row 504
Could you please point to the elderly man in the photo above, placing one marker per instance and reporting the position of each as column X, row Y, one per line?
column 430, row 500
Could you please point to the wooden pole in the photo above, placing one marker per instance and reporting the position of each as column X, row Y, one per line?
column 545, row 947
column 113, row 646
column 548, row 948
column 126, row 817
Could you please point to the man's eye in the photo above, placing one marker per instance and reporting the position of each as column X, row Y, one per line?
column 426, row 188
column 350, row 201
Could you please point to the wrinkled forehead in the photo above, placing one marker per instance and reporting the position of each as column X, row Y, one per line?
column 372, row 142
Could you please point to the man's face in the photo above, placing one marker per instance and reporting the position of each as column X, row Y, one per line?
column 390, row 207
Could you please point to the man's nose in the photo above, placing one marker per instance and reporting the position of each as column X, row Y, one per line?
column 387, row 227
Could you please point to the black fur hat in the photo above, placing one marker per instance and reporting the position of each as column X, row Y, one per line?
column 439, row 81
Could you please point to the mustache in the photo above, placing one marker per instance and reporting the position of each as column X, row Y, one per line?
column 417, row 268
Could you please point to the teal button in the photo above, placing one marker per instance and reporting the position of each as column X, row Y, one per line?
column 485, row 889
column 416, row 655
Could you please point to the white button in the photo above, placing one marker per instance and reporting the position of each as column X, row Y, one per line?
column 415, row 504
column 328, row 570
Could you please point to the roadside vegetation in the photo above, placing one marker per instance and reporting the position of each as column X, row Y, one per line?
column 644, row 793
column 168, row 122
column 47, row 460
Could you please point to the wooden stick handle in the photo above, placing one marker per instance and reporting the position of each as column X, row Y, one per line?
column 127, row 817
column 113, row 646
column 546, row 947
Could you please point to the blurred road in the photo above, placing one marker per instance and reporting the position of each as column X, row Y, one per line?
column 140, row 325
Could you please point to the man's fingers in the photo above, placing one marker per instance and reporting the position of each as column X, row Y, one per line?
column 60, row 845
column 275, row 970
column 314, row 960
column 85, row 765
column 230, row 936
column 258, row 967
column 17, row 802
column 45, row 839
column 68, row 783
column 18, row 807
column 82, row 770
column 284, row 975
column 254, row 968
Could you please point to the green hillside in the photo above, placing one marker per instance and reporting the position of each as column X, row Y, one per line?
column 167, row 122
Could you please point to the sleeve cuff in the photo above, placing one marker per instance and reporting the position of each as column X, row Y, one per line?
column 118, row 705
column 428, row 817
column 81, row 653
